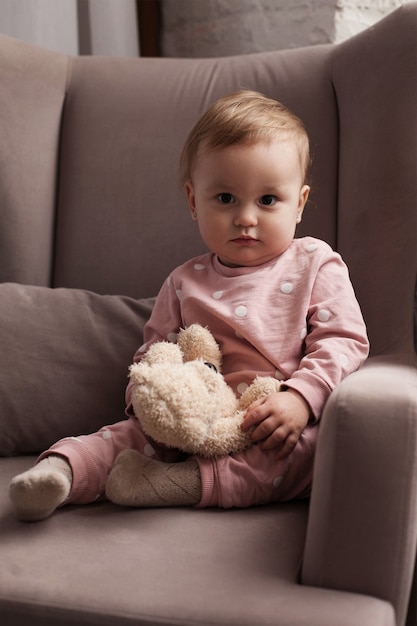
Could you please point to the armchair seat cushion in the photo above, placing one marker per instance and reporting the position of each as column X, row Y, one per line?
column 106, row 565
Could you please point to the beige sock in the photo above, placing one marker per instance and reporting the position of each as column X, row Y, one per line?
column 136, row 480
column 36, row 494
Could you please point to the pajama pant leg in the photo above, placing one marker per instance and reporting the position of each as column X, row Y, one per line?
column 256, row 476
column 92, row 456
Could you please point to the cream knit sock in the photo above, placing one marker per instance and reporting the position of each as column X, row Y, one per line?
column 36, row 494
column 136, row 480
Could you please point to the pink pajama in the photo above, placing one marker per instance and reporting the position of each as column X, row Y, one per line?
column 237, row 480
column 92, row 456
column 256, row 476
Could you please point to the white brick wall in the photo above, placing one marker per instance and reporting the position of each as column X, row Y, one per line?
column 352, row 16
column 208, row 28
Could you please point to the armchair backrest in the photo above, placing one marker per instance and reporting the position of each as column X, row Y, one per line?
column 89, row 149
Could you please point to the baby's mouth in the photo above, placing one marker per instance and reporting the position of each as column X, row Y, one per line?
column 244, row 240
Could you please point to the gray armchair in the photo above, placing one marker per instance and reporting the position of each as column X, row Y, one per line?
column 92, row 220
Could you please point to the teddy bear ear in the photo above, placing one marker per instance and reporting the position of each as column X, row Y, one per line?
column 163, row 352
column 197, row 343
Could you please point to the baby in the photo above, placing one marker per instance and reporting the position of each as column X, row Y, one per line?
column 277, row 306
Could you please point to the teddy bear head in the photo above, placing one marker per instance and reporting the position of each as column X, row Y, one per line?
column 179, row 393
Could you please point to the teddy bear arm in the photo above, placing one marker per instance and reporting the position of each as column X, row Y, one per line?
column 261, row 387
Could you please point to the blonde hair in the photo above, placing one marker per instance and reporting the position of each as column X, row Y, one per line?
column 243, row 117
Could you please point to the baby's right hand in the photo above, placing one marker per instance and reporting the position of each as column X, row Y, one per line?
column 277, row 421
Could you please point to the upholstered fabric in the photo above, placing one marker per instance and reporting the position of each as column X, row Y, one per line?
column 108, row 566
column 119, row 203
column 379, row 402
column 65, row 354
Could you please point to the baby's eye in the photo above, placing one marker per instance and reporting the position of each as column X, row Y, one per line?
column 268, row 200
column 225, row 198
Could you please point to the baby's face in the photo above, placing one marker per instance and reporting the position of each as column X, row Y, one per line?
column 247, row 200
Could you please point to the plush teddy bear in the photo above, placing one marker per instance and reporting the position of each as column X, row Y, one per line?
column 183, row 401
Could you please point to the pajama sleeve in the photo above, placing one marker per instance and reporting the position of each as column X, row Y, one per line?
column 336, row 342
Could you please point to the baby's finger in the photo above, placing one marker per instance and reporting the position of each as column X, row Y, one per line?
column 255, row 414
column 268, row 429
column 288, row 446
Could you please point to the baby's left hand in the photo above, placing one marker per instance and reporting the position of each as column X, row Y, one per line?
column 279, row 419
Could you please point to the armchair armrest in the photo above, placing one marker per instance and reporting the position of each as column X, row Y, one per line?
column 362, row 528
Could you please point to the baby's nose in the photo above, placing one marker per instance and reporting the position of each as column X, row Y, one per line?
column 246, row 216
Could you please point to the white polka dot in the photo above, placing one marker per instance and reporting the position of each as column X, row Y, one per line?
column 106, row 434
column 343, row 360
column 241, row 388
column 199, row 266
column 279, row 375
column 148, row 450
column 287, row 287
column 217, row 295
column 311, row 247
column 303, row 333
column 241, row 311
column 323, row 315
column 172, row 337
column 277, row 481
column 179, row 293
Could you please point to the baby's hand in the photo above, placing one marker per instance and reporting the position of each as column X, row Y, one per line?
column 279, row 419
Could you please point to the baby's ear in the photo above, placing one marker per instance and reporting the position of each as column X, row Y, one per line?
column 190, row 195
column 304, row 193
